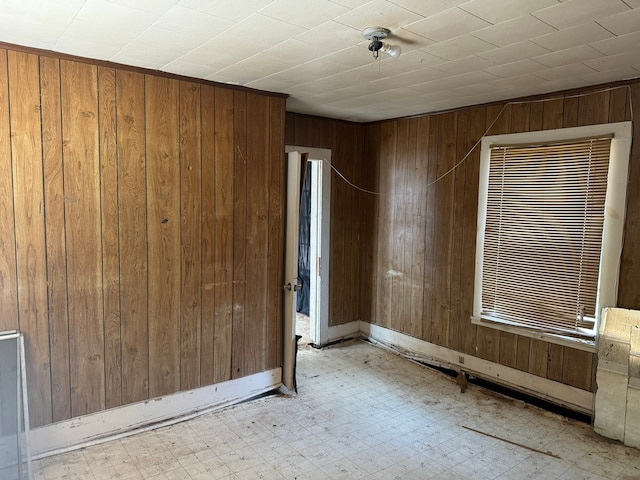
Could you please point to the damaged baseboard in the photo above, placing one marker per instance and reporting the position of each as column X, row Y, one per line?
column 413, row 348
column 344, row 331
column 148, row 415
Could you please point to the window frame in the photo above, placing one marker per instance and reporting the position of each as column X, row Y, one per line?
column 613, row 227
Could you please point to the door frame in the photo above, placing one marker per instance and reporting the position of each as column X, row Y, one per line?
column 320, row 161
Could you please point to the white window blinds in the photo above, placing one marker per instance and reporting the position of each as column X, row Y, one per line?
column 543, row 234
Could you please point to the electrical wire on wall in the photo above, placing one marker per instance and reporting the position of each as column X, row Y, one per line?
column 497, row 117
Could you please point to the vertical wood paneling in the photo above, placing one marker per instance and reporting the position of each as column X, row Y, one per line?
column 208, row 187
column 190, row 231
column 456, row 322
column 538, row 358
column 163, row 233
column 399, row 316
column 468, row 334
column 125, row 225
column 619, row 104
column 257, row 233
column 593, row 109
column 371, row 168
column 430, row 230
column 225, row 230
column 629, row 293
column 419, row 178
column 239, row 231
column 110, row 236
column 83, row 235
column 385, row 233
column 28, row 201
column 8, row 274
column 55, row 237
column 444, row 190
column 276, row 233
column 132, row 193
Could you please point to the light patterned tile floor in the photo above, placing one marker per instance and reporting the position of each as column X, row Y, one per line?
column 361, row 413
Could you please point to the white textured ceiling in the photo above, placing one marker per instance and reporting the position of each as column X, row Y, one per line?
column 454, row 52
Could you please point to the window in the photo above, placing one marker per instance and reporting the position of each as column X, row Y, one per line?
column 550, row 220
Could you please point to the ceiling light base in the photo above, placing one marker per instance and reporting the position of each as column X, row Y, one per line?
column 380, row 33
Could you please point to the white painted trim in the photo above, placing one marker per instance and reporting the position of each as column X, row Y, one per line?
column 346, row 330
column 615, row 203
column 148, row 415
column 289, row 294
column 319, row 323
column 416, row 349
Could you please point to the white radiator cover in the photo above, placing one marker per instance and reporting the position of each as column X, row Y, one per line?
column 617, row 399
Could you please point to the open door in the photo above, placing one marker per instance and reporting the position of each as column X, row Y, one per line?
column 295, row 162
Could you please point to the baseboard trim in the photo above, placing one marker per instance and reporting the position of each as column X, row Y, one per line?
column 416, row 349
column 346, row 330
column 150, row 414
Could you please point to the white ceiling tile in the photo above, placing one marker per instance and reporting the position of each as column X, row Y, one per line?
column 151, row 6
column 426, row 9
column 615, row 45
column 522, row 80
column 111, row 15
column 265, row 30
column 513, row 69
column 567, row 56
column 352, row 57
column 513, row 53
column 216, row 56
column 465, row 65
column 29, row 33
column 573, row 36
column 621, row 23
column 512, row 31
column 612, row 62
column 378, row 13
column 459, row 47
column 448, row 24
column 157, row 37
column 85, row 48
column 475, row 89
column 230, row 46
column 232, row 10
column 292, row 52
column 414, row 60
column 351, row 3
column 182, row 67
column 407, row 40
column 496, row 11
column 312, row 14
column 200, row 26
column 331, row 35
column 565, row 71
column 328, row 69
column 612, row 75
column 142, row 55
column 575, row 12
column 98, row 34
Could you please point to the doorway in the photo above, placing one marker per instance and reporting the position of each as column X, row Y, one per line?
column 313, row 244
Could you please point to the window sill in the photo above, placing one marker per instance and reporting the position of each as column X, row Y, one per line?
column 577, row 343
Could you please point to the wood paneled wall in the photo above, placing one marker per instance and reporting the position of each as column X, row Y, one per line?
column 141, row 231
column 422, row 247
column 348, row 221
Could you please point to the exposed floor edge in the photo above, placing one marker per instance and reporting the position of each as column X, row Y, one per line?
column 148, row 415
column 421, row 351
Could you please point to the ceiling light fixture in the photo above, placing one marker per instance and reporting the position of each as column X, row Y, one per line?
column 375, row 35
